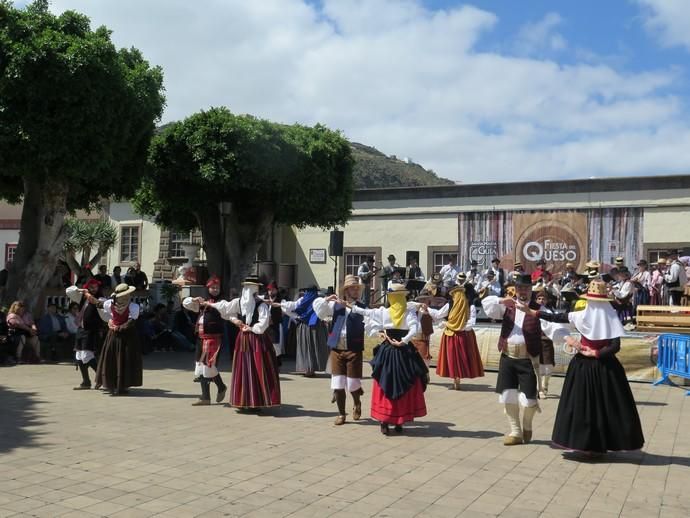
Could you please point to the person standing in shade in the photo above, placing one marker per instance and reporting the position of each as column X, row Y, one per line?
column 209, row 328
column 596, row 412
column 399, row 373
column 346, row 342
column 255, row 383
column 312, row 334
column 366, row 272
column 120, row 364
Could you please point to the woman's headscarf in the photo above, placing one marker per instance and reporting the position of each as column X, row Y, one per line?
column 248, row 299
column 459, row 312
column 598, row 321
column 398, row 308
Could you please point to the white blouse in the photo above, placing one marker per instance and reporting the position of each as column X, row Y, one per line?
column 378, row 319
column 231, row 309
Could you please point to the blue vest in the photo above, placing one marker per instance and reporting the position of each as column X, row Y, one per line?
column 354, row 327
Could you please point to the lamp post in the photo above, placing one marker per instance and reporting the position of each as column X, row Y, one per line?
column 224, row 207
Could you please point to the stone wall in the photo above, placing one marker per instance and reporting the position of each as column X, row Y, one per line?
column 165, row 267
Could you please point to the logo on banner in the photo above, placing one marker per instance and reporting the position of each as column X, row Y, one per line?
column 553, row 241
column 483, row 252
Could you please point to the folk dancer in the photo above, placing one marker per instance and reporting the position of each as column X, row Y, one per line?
column 346, row 343
column 312, row 334
column 520, row 346
column 255, row 384
column 209, row 328
column 399, row 373
column 275, row 328
column 458, row 355
column 120, row 364
column 547, row 355
column 90, row 328
column 596, row 412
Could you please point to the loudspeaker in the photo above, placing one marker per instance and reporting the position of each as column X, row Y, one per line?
column 336, row 246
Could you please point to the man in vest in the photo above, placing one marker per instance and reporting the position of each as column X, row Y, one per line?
column 346, row 342
column 520, row 345
column 675, row 278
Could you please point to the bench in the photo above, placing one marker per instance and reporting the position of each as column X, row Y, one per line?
column 673, row 358
column 673, row 319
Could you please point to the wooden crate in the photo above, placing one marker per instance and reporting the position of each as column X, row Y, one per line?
column 675, row 319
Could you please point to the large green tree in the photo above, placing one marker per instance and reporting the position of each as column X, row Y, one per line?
column 76, row 119
column 262, row 172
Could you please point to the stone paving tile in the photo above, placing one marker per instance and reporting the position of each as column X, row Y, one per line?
column 153, row 454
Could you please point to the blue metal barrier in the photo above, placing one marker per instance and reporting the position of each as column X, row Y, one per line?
column 674, row 358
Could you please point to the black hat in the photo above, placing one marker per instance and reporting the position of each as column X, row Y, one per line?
column 495, row 260
column 391, row 256
column 473, row 262
column 541, row 261
column 490, row 273
column 524, row 279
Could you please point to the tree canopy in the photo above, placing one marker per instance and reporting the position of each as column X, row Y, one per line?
column 76, row 119
column 267, row 172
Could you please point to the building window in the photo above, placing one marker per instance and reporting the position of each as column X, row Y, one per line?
column 10, row 249
column 177, row 239
column 441, row 259
column 654, row 254
column 352, row 261
column 129, row 244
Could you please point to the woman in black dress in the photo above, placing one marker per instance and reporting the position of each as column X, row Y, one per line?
column 596, row 412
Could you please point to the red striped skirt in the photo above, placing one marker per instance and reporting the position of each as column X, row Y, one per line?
column 459, row 357
column 255, row 381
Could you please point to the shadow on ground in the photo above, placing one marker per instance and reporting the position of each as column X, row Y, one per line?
column 465, row 387
column 639, row 458
column 19, row 420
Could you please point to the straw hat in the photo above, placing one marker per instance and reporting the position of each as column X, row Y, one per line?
column 662, row 261
column 619, row 260
column 352, row 281
column 597, row 291
column 122, row 290
column 461, row 278
column 398, row 288
column 251, row 280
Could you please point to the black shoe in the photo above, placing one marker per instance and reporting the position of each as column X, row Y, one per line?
column 198, row 379
column 83, row 386
column 398, row 428
column 384, row 429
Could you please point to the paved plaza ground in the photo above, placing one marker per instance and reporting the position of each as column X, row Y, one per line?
column 67, row 453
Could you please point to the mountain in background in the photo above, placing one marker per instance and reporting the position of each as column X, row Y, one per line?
column 373, row 169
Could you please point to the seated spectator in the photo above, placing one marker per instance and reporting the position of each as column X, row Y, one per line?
column 53, row 334
column 22, row 329
column 103, row 277
column 6, row 352
column 71, row 318
column 156, row 330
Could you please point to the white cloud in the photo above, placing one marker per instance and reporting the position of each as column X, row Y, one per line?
column 408, row 80
column 669, row 20
column 536, row 38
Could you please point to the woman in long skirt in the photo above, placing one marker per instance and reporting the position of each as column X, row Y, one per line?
column 596, row 412
column 120, row 365
column 312, row 334
column 399, row 373
column 458, row 355
column 255, row 382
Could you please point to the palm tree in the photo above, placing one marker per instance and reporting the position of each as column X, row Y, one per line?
column 85, row 236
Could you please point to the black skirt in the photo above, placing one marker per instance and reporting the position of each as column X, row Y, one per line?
column 120, row 364
column 597, row 412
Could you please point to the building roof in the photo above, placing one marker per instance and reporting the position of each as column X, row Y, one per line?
column 590, row 185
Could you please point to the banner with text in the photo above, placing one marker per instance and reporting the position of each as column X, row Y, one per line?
column 557, row 236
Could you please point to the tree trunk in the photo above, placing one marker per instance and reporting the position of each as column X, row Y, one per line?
column 73, row 264
column 230, row 252
column 41, row 236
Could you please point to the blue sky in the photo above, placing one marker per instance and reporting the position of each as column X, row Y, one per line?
column 479, row 91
